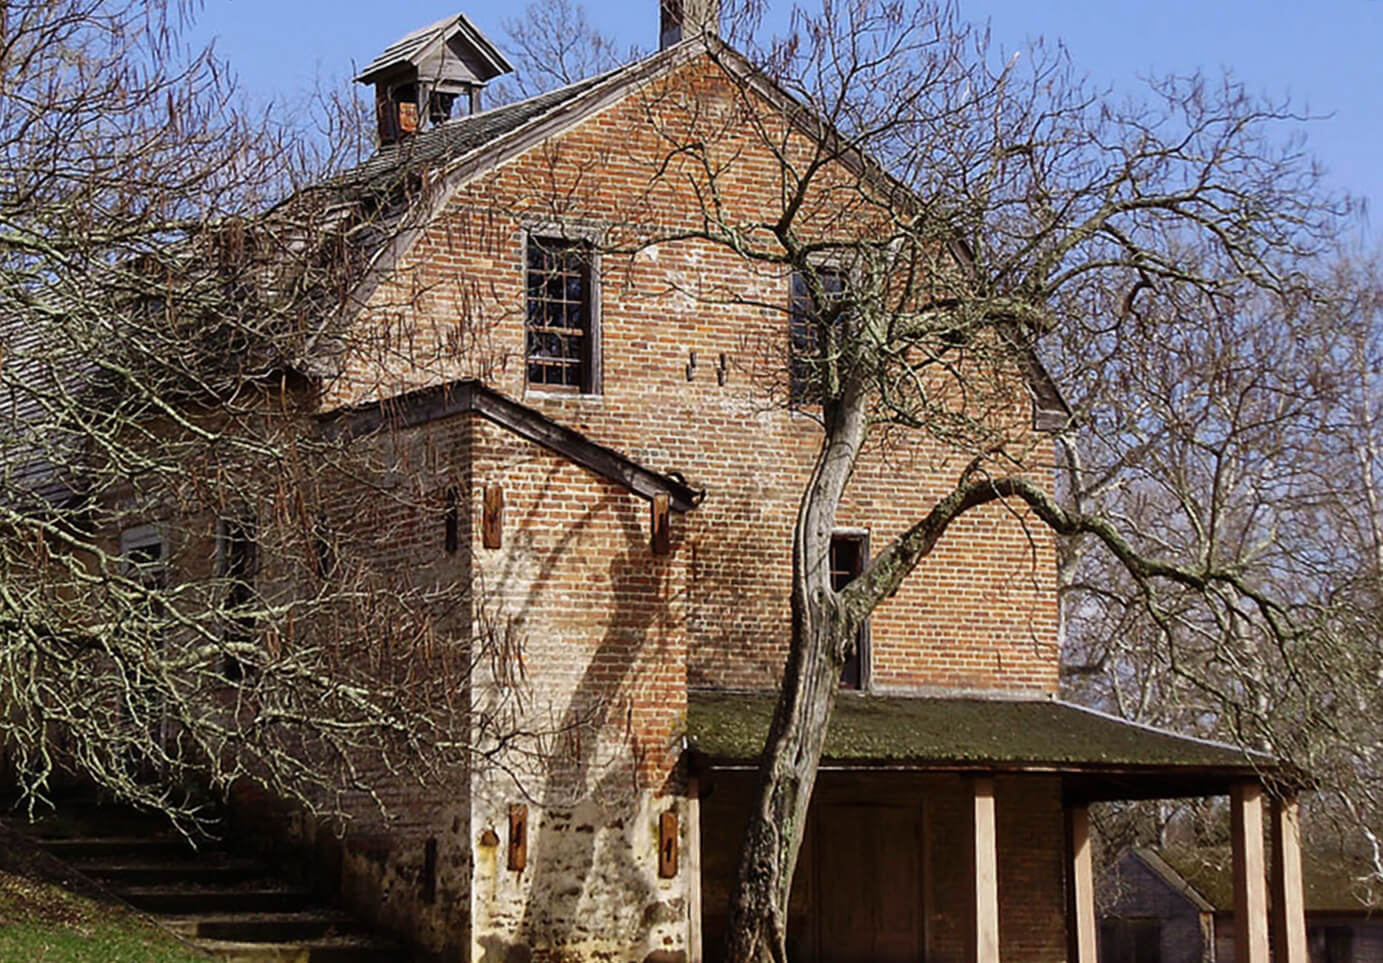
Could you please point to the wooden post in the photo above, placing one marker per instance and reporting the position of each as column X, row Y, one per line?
column 1288, row 906
column 983, row 942
column 693, row 875
column 667, row 844
column 518, row 836
column 1082, row 885
column 1250, row 884
column 660, row 524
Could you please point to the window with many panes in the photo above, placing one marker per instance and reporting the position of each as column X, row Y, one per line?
column 849, row 552
column 803, row 330
column 560, row 323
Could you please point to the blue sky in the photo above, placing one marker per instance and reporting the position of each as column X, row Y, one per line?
column 1326, row 55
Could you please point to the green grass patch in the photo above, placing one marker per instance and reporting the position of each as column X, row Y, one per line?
column 43, row 923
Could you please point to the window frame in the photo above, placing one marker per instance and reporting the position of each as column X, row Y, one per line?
column 590, row 370
column 864, row 650
column 152, row 573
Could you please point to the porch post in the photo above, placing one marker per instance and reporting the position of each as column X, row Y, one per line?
column 693, row 865
column 983, row 942
column 1288, row 907
column 1250, row 896
column 1082, row 884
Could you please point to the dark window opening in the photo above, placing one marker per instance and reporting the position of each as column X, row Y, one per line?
column 439, row 106
column 561, row 343
column 406, row 106
column 142, row 554
column 145, row 562
column 429, row 871
column 1330, row 944
column 849, row 552
column 804, row 329
column 451, row 535
column 322, row 548
column 396, row 112
column 237, row 560
column 1131, row 940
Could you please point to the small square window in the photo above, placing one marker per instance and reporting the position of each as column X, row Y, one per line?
column 803, row 331
column 142, row 551
column 560, row 320
column 849, row 552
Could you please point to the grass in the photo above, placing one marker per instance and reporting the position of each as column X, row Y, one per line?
column 43, row 923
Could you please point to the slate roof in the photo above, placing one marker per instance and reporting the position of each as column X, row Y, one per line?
column 966, row 733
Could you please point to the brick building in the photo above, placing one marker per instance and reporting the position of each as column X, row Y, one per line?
column 616, row 475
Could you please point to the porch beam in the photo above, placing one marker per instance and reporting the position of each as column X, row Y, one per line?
column 1250, row 878
column 983, row 942
column 1082, row 885
column 1288, row 906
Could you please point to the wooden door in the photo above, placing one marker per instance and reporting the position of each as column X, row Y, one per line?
column 868, row 897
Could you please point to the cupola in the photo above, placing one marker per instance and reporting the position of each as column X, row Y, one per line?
column 432, row 74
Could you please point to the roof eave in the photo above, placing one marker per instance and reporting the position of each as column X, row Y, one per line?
column 426, row 405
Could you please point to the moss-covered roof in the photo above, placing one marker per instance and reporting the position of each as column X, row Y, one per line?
column 729, row 727
column 1330, row 880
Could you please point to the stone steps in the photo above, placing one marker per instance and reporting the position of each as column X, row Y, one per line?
column 328, row 950
column 233, row 907
column 273, row 927
column 254, row 896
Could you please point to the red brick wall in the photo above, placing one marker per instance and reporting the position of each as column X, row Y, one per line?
column 599, row 618
column 595, row 681
column 979, row 613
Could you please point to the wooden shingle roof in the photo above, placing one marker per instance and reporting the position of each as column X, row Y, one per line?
column 415, row 45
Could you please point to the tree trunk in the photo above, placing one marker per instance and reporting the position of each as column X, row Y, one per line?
column 821, row 631
column 758, row 910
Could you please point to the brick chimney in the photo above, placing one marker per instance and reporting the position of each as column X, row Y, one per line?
column 679, row 20
column 420, row 78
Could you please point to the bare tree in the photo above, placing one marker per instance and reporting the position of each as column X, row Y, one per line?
column 553, row 44
column 1256, row 437
column 193, row 567
column 951, row 216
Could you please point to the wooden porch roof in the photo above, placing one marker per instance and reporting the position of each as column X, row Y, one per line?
column 1100, row 756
